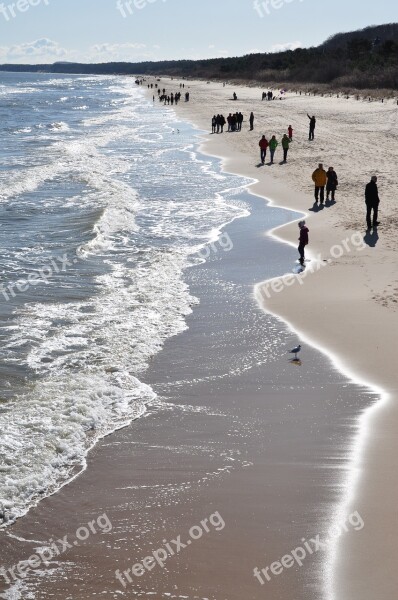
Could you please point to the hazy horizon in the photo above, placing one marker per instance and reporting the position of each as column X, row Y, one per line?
column 48, row 31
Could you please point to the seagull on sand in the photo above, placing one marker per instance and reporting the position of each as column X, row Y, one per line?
column 295, row 351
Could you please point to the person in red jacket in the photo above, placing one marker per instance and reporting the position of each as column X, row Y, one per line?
column 303, row 240
column 290, row 132
column 263, row 143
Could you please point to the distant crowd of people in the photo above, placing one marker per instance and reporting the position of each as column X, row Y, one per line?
column 172, row 98
column 267, row 95
column 234, row 121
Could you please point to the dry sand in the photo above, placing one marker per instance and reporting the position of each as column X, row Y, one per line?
column 348, row 308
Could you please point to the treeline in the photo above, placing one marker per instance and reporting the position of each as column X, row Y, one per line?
column 364, row 59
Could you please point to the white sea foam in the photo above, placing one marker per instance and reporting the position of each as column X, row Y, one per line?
column 88, row 356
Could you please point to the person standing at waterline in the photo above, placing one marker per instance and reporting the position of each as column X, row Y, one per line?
column 372, row 203
column 303, row 240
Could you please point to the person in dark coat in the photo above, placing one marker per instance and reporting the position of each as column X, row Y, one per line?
column 251, row 121
column 303, row 240
column 240, row 120
column 372, row 203
column 263, row 143
column 332, row 183
column 213, row 124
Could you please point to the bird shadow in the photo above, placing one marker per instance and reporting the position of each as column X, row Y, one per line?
column 295, row 361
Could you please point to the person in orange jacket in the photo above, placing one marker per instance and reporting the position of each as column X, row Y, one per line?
column 320, row 179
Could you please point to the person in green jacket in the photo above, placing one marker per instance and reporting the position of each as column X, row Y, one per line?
column 273, row 144
column 285, row 146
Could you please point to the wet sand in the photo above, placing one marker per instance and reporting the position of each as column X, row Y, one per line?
column 238, row 431
column 348, row 309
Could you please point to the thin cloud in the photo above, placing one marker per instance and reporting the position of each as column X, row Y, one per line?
column 41, row 49
column 129, row 52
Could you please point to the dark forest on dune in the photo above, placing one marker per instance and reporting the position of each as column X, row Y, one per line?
column 363, row 59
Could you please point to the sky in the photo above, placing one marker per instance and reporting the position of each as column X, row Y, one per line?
column 46, row 31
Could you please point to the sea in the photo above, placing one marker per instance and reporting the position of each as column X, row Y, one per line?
column 104, row 204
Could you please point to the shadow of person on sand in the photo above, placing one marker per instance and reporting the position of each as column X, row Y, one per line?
column 371, row 239
column 316, row 207
column 329, row 203
column 260, row 164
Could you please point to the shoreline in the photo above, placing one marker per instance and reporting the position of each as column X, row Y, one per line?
column 339, row 355
column 228, row 449
column 359, row 441
column 351, row 481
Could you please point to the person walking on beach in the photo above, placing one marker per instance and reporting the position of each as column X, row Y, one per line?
column 272, row 147
column 290, row 132
column 263, row 143
column 303, row 241
column 372, row 203
column 320, row 180
column 251, row 121
column 332, row 183
column 222, row 123
column 285, row 146
column 311, row 134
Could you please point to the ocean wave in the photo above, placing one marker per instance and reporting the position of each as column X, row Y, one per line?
column 133, row 224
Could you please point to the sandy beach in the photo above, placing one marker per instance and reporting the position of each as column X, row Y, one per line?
column 245, row 456
column 349, row 309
